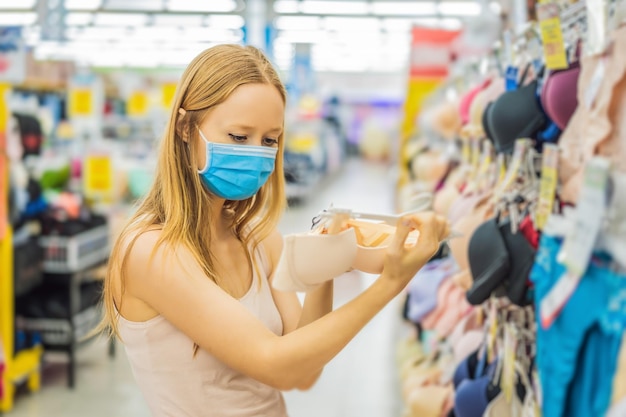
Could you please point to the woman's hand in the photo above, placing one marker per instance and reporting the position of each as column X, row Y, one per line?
column 402, row 262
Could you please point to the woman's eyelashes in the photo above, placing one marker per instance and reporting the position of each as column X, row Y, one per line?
column 243, row 139
column 238, row 138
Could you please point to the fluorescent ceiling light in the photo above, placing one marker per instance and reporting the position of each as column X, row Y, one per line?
column 297, row 23
column 301, row 36
column 286, row 6
column 203, row 34
column 82, row 4
column 121, row 19
column 404, row 8
column 202, row 6
column 96, row 33
column 334, row 7
column 443, row 23
column 137, row 5
column 17, row 18
column 154, row 33
column 226, row 21
column 344, row 24
column 17, row 4
column 460, row 8
column 178, row 20
column 78, row 19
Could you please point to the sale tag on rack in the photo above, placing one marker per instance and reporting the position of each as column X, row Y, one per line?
column 578, row 245
column 81, row 102
column 137, row 104
column 552, row 36
column 98, row 176
column 548, row 185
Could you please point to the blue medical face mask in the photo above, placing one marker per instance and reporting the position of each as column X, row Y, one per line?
column 236, row 172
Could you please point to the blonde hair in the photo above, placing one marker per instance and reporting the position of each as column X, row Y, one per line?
column 178, row 203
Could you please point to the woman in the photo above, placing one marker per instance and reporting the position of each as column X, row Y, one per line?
column 189, row 282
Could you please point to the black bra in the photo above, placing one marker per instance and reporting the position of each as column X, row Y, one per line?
column 515, row 115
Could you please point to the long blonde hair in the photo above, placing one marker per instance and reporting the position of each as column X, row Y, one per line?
column 178, row 203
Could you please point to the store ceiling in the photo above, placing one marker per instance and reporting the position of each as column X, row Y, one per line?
column 346, row 35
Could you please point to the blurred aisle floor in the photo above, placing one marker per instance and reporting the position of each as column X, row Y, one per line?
column 360, row 382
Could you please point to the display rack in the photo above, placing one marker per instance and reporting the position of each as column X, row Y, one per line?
column 26, row 365
column 70, row 262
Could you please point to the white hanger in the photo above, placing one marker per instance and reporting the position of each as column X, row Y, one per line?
column 390, row 219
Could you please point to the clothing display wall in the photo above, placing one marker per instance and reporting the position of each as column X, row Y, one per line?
column 525, row 313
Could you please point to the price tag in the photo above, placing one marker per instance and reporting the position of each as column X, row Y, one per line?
column 519, row 156
column 80, row 102
column 580, row 241
column 547, row 188
column 508, row 366
column 466, row 151
column 168, row 92
column 594, row 85
column 137, row 104
column 552, row 304
column 98, row 175
column 552, row 37
column 493, row 332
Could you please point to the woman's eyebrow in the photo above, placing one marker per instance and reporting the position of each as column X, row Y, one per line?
column 248, row 128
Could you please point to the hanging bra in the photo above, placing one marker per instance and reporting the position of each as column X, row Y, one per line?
column 559, row 95
column 514, row 115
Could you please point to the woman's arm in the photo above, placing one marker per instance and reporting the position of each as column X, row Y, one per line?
column 317, row 303
column 172, row 283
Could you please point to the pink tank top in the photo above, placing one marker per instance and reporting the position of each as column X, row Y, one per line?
column 176, row 384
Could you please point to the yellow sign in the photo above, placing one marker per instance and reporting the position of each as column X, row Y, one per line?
column 168, row 92
column 80, row 102
column 137, row 104
column 98, row 175
column 552, row 36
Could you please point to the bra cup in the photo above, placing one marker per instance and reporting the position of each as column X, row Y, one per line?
column 559, row 96
column 466, row 226
column 309, row 259
column 515, row 115
column 370, row 260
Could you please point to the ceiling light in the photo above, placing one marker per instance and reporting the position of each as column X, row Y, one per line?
column 334, row 7
column 460, row 8
column 202, row 6
column 96, row 33
column 120, row 19
column 226, row 21
column 443, row 23
column 82, row 4
column 137, row 5
column 297, row 23
column 178, row 20
column 203, row 34
column 301, row 36
column 404, row 8
column 352, row 23
column 78, row 19
column 17, row 4
column 17, row 18
column 286, row 6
